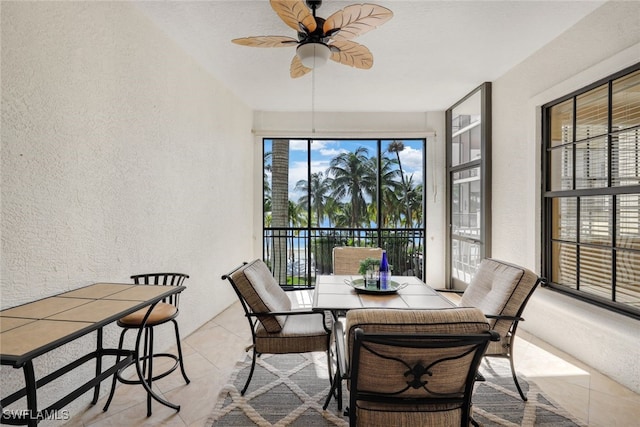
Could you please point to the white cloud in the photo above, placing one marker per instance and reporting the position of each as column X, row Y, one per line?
column 411, row 160
column 332, row 152
column 298, row 145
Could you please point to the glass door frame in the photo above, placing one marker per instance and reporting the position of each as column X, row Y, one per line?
column 484, row 163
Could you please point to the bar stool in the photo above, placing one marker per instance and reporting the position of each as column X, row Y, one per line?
column 165, row 311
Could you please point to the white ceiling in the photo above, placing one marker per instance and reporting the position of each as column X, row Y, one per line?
column 429, row 55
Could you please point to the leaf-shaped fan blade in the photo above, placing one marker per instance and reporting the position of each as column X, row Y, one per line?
column 355, row 20
column 353, row 54
column 293, row 13
column 266, row 41
column 297, row 69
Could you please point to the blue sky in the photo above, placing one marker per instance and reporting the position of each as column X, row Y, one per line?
column 322, row 151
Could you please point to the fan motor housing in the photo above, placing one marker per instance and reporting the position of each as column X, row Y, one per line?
column 317, row 36
column 313, row 4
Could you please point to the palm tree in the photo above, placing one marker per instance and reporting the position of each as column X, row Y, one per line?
column 396, row 147
column 266, row 208
column 267, row 168
column 342, row 217
column 297, row 215
column 315, row 196
column 389, row 190
column 414, row 198
column 297, row 220
column 280, row 206
column 332, row 209
column 353, row 178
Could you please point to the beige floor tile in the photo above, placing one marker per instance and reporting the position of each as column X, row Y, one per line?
column 607, row 410
column 202, row 422
column 208, row 344
column 136, row 416
column 197, row 399
column 234, row 315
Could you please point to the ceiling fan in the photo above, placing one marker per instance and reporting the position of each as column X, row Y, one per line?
column 320, row 39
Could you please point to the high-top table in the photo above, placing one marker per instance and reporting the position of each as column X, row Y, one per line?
column 333, row 294
column 33, row 329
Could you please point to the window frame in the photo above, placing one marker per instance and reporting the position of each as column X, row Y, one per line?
column 358, row 235
column 549, row 195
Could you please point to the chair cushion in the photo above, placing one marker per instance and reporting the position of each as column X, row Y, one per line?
column 441, row 321
column 444, row 321
column 498, row 288
column 161, row 313
column 262, row 293
column 300, row 334
column 385, row 415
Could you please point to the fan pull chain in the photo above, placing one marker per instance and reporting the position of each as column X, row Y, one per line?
column 313, row 102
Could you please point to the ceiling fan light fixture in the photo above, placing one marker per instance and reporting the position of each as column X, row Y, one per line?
column 313, row 54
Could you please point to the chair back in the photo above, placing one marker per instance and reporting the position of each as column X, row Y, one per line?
column 259, row 292
column 414, row 367
column 346, row 259
column 162, row 279
column 501, row 289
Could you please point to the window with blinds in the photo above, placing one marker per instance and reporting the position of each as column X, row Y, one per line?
column 591, row 202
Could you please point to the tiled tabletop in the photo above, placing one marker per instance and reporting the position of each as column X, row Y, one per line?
column 29, row 330
column 333, row 293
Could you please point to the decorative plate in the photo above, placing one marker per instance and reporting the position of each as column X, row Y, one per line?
column 359, row 286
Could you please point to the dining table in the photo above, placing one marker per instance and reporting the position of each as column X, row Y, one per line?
column 341, row 293
column 33, row 329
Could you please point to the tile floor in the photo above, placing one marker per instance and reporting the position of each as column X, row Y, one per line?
column 211, row 352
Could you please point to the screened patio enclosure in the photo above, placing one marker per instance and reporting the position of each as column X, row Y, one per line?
column 320, row 194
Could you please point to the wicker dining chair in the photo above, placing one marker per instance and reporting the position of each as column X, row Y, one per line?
column 346, row 259
column 501, row 290
column 275, row 327
column 411, row 367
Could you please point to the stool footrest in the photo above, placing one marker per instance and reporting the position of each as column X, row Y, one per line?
column 156, row 377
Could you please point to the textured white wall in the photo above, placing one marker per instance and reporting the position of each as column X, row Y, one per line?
column 604, row 42
column 120, row 155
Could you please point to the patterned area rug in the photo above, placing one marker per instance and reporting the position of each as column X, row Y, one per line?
column 289, row 390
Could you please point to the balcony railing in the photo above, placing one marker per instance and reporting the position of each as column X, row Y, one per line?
column 297, row 255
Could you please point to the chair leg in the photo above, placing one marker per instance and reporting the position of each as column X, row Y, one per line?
column 334, row 380
column 329, row 365
column 334, row 387
column 115, row 374
column 148, row 354
column 515, row 377
column 336, row 384
column 184, row 373
column 253, row 366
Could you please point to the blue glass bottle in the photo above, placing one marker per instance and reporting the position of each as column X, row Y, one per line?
column 384, row 272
